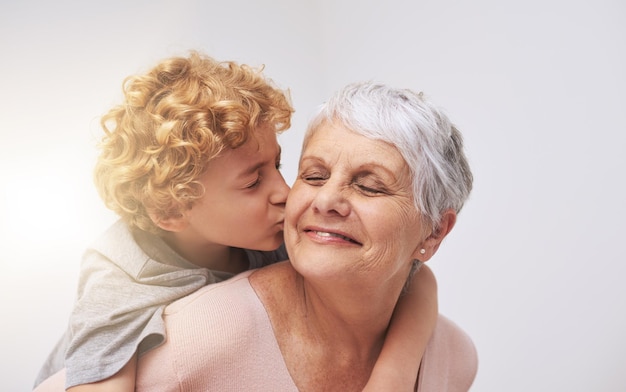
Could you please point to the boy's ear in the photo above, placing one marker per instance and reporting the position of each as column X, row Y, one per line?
column 431, row 244
column 174, row 223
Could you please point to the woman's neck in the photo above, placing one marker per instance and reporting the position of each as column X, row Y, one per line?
column 351, row 318
column 322, row 333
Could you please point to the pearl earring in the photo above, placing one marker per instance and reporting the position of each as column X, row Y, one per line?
column 422, row 251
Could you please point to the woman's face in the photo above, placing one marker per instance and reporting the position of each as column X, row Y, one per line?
column 350, row 213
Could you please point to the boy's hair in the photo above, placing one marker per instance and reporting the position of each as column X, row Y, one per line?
column 173, row 121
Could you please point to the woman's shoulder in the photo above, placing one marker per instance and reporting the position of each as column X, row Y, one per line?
column 221, row 329
column 273, row 281
column 450, row 362
column 230, row 290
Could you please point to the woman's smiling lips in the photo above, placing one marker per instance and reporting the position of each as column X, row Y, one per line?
column 327, row 235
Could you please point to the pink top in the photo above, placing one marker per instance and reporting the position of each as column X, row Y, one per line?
column 221, row 339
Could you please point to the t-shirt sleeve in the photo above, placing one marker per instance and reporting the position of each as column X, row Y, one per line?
column 117, row 314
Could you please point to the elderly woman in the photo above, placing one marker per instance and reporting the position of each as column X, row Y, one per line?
column 381, row 180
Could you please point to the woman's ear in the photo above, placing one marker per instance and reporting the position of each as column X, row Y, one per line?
column 430, row 245
column 174, row 223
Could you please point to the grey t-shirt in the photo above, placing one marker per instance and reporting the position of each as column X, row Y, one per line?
column 126, row 280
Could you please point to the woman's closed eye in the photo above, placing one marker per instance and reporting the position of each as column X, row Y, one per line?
column 314, row 178
column 369, row 190
column 370, row 186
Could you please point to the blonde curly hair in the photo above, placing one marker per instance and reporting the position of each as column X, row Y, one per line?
column 173, row 121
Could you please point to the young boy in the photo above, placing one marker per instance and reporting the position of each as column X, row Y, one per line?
column 190, row 163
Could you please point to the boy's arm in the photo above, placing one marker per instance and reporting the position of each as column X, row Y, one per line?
column 411, row 326
column 122, row 381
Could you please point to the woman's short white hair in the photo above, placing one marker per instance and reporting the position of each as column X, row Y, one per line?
column 430, row 144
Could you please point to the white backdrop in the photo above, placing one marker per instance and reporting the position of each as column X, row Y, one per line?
column 532, row 270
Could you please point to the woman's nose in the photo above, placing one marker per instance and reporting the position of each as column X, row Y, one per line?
column 331, row 200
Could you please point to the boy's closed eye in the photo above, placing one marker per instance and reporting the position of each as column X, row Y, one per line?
column 254, row 183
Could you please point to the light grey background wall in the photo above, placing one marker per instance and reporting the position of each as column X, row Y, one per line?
column 533, row 270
